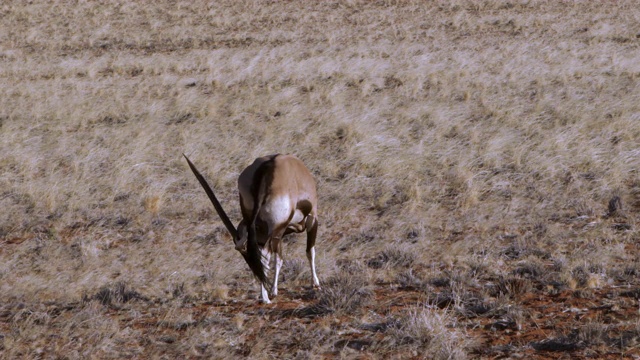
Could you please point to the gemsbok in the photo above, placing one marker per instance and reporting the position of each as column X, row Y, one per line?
column 277, row 197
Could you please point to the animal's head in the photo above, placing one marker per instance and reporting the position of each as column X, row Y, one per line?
column 244, row 237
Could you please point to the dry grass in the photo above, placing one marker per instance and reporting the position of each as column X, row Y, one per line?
column 480, row 156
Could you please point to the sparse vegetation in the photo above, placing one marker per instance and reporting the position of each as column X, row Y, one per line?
column 428, row 333
column 477, row 167
column 342, row 294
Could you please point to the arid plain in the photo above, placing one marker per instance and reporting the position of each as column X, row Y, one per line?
column 477, row 166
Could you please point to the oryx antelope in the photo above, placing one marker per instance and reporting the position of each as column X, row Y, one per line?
column 277, row 197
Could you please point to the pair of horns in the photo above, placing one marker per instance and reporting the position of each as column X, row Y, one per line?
column 216, row 204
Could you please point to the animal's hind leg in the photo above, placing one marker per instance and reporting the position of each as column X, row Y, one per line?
column 312, row 230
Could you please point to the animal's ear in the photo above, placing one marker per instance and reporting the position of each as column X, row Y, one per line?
column 216, row 204
column 242, row 232
column 241, row 240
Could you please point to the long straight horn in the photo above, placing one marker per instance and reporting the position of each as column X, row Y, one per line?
column 214, row 200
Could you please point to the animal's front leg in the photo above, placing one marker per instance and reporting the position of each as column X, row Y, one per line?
column 264, row 294
column 277, row 264
column 266, row 259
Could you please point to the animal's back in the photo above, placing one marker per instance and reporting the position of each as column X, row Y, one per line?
column 283, row 175
column 293, row 177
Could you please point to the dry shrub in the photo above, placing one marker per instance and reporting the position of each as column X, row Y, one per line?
column 117, row 293
column 593, row 333
column 407, row 279
column 343, row 293
column 428, row 332
column 296, row 270
column 392, row 257
column 512, row 286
